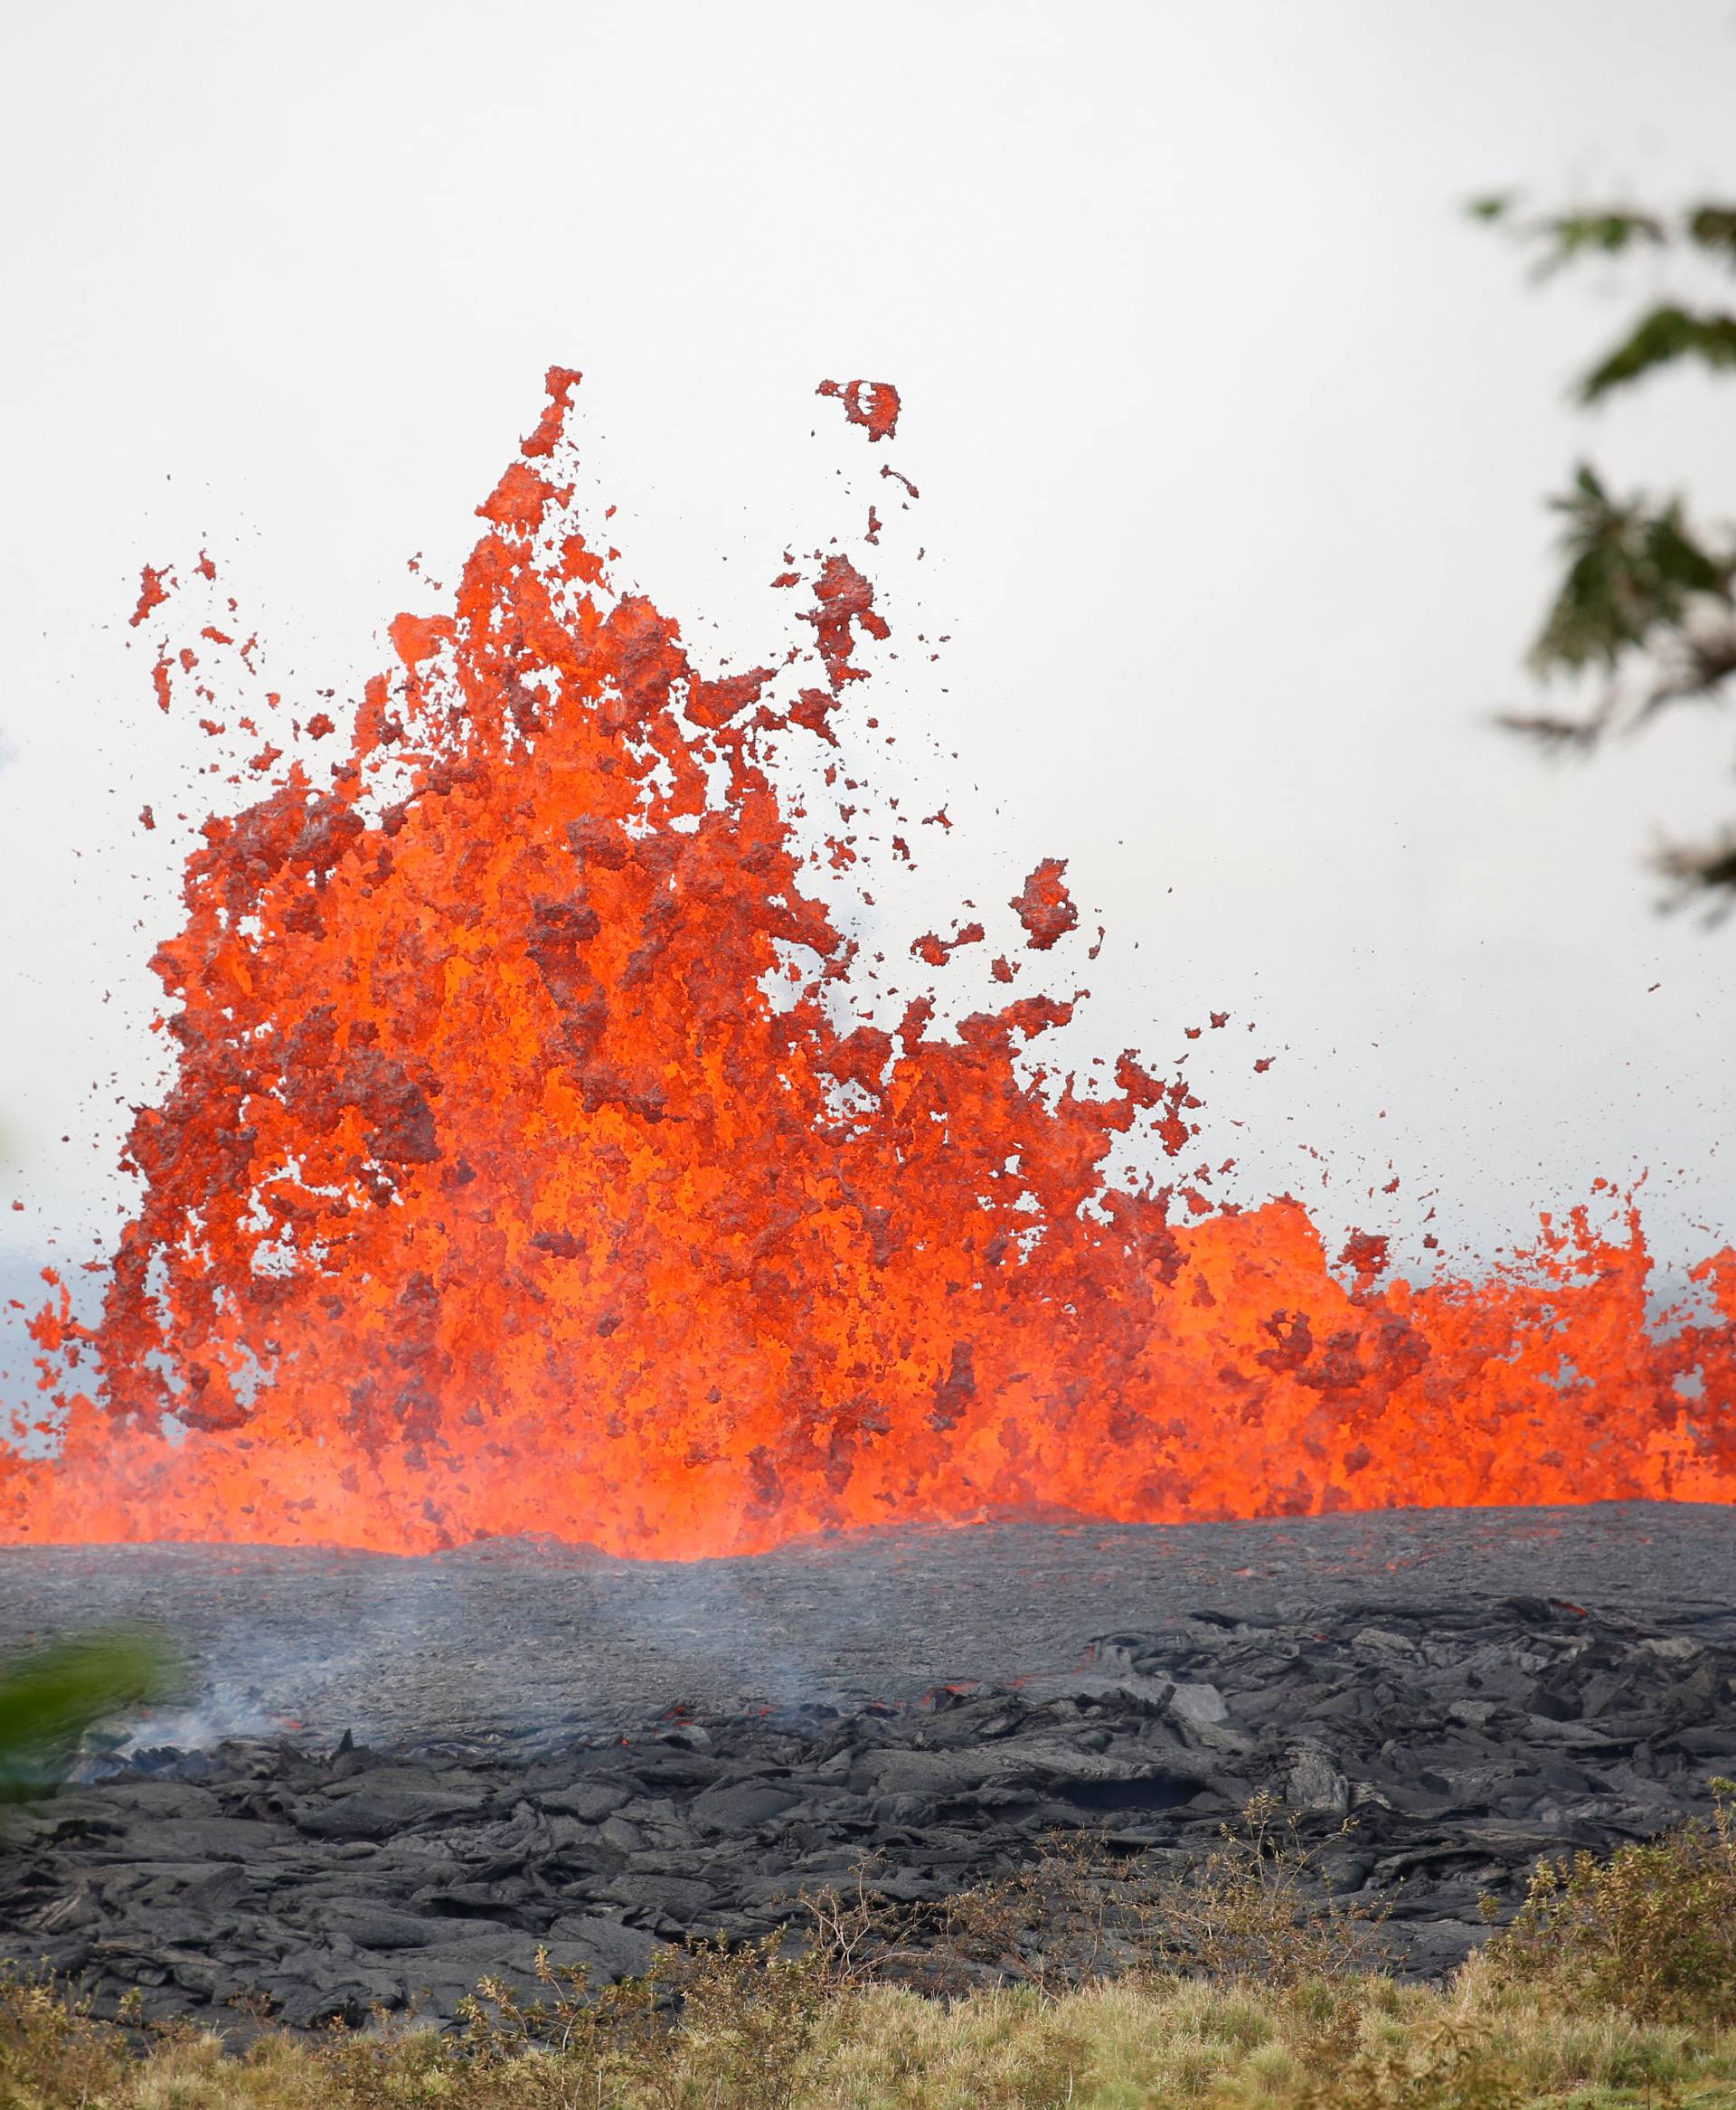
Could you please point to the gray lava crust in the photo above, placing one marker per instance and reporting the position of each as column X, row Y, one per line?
column 522, row 1745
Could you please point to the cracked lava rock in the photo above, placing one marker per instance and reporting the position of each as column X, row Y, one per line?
column 545, row 1747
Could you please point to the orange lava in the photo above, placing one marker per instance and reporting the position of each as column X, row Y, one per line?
column 495, row 1193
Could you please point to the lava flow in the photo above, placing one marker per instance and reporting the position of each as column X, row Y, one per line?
column 522, row 1170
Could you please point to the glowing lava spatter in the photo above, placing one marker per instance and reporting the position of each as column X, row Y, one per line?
column 494, row 1193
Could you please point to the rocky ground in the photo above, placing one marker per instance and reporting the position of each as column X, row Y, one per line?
column 392, row 1778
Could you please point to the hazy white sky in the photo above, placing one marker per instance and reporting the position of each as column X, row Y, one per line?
column 1232, row 436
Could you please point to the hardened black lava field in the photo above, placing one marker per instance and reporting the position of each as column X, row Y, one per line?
column 392, row 1776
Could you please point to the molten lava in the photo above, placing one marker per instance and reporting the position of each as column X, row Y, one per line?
column 517, row 1176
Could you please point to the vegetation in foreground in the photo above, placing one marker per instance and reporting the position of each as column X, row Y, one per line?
column 1077, row 1982
column 52, row 1701
column 787, row 2043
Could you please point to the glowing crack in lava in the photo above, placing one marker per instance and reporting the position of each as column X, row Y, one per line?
column 495, row 1192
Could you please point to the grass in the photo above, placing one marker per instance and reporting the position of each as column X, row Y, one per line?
column 1080, row 1984
column 1126, row 2044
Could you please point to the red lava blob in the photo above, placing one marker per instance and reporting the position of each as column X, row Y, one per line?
column 1045, row 907
column 494, row 1193
column 873, row 404
column 153, row 592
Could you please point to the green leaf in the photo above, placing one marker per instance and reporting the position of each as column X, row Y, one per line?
column 1632, row 571
column 1605, row 232
column 1713, row 227
column 1666, row 334
column 1564, row 237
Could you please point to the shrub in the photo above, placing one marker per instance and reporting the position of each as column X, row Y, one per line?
column 1446, row 2064
column 51, row 2048
column 1256, row 1910
column 718, row 2025
column 1649, row 1932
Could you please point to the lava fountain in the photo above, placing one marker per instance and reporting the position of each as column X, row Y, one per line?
column 523, row 1169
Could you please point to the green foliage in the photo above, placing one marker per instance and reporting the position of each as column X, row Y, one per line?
column 1632, row 570
column 1713, row 227
column 49, row 1700
column 1666, row 334
column 1645, row 604
column 1591, row 232
column 1574, row 235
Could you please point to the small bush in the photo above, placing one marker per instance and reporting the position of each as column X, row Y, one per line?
column 1649, row 1932
column 712, row 2027
column 53, row 2051
column 1446, row 2064
column 1257, row 1910
column 1254, row 1910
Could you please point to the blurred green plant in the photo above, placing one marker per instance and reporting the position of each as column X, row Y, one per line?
column 1647, row 603
column 51, row 1699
